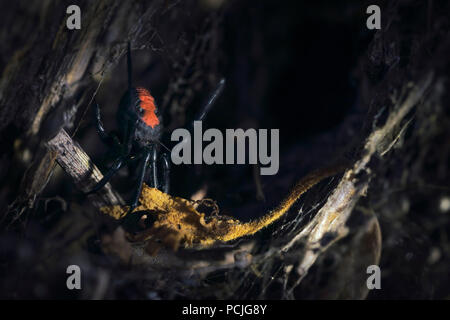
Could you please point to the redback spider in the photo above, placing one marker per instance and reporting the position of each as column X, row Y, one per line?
column 140, row 129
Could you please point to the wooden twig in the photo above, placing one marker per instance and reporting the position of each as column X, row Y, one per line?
column 77, row 164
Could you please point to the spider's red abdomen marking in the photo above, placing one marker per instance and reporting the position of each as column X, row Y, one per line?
column 148, row 105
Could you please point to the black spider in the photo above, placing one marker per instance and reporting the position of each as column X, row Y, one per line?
column 140, row 129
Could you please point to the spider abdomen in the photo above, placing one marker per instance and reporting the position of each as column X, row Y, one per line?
column 145, row 134
column 147, row 104
column 138, row 104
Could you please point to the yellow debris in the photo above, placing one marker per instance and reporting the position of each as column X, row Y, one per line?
column 177, row 222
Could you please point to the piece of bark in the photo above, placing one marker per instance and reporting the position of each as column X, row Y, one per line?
column 77, row 164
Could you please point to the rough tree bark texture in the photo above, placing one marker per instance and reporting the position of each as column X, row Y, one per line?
column 50, row 77
column 79, row 167
column 52, row 73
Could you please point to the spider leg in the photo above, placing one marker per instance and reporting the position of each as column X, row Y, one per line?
column 200, row 116
column 129, row 65
column 107, row 138
column 166, row 172
column 117, row 164
column 154, row 164
column 128, row 141
column 146, row 158
column 211, row 101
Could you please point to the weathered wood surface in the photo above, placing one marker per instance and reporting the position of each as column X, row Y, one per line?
column 84, row 173
column 53, row 70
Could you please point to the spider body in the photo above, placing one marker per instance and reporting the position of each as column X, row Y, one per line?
column 139, row 103
column 140, row 131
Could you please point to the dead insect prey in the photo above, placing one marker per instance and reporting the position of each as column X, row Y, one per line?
column 177, row 222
